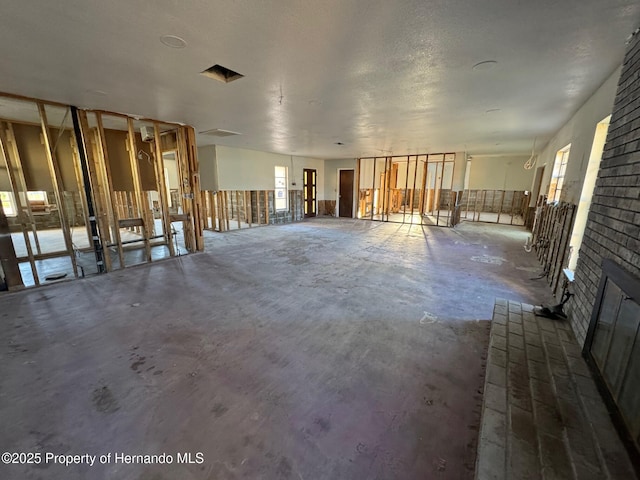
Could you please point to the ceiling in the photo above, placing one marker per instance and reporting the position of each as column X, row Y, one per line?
column 379, row 76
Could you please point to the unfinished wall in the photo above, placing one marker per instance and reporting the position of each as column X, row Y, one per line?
column 33, row 157
column 579, row 132
column 119, row 160
column 613, row 226
column 500, row 173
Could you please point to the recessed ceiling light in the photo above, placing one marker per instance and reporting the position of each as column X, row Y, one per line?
column 486, row 65
column 493, row 110
column 222, row 74
column 173, row 41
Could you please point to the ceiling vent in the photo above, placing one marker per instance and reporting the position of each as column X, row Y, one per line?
column 222, row 74
column 217, row 132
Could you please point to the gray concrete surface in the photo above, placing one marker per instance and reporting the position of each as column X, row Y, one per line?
column 542, row 415
column 329, row 349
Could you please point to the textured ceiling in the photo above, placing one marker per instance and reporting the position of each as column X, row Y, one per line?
column 379, row 76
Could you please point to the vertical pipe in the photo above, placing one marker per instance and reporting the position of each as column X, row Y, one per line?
column 81, row 143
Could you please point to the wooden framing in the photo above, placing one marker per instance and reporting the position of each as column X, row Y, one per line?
column 80, row 182
column 238, row 208
column 266, row 207
column 100, row 193
column 141, row 205
column 247, row 208
column 500, row 208
column 116, row 206
column 92, row 175
column 21, row 214
column 54, row 172
column 18, row 166
column 161, row 183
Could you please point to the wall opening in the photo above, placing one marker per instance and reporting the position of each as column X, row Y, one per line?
column 599, row 139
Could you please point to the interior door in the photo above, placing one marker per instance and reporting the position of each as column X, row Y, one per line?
column 345, row 206
column 309, row 187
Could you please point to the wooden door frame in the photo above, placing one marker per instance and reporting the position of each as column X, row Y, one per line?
column 354, row 199
column 304, row 186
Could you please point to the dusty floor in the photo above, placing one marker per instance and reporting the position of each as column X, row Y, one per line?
column 329, row 349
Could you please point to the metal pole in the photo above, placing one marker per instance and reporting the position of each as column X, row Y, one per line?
column 97, row 246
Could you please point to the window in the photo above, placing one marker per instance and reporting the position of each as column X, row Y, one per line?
column 557, row 176
column 37, row 197
column 8, row 204
column 281, row 188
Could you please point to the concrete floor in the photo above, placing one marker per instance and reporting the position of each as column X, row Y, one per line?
column 328, row 349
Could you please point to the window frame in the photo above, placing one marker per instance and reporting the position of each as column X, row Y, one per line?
column 556, row 182
column 281, row 184
column 8, row 196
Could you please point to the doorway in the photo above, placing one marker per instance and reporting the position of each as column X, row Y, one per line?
column 345, row 194
column 309, row 187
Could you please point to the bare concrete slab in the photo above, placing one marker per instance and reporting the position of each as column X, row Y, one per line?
column 321, row 350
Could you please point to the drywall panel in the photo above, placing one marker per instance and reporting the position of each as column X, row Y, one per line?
column 208, row 168
column 579, row 131
column 500, row 173
column 243, row 169
column 459, row 169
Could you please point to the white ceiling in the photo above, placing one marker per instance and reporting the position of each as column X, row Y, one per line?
column 378, row 75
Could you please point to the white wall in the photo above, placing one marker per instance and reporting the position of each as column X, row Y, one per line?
column 459, row 169
column 331, row 176
column 579, row 131
column 208, row 168
column 500, row 173
column 243, row 169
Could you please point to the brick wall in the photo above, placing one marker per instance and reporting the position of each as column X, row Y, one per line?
column 613, row 227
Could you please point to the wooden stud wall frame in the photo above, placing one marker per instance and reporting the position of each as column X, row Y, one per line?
column 70, row 203
column 388, row 193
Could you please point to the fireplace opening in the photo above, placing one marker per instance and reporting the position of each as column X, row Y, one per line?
column 612, row 349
